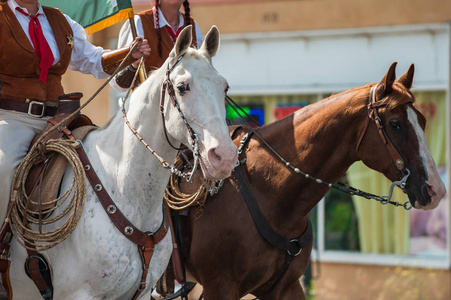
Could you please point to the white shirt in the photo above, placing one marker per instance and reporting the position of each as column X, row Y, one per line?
column 126, row 37
column 85, row 57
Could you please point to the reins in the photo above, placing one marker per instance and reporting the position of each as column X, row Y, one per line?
column 339, row 186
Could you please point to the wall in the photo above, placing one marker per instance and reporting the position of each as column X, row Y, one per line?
column 363, row 282
column 332, row 60
column 263, row 16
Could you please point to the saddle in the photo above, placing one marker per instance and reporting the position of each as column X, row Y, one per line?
column 43, row 181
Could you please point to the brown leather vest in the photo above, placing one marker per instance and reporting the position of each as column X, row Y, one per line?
column 19, row 64
column 154, row 61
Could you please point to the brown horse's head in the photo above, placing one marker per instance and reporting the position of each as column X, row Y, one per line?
column 394, row 143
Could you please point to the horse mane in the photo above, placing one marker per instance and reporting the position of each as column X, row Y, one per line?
column 353, row 100
column 358, row 95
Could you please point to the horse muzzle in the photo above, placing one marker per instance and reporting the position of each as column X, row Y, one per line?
column 219, row 162
column 424, row 195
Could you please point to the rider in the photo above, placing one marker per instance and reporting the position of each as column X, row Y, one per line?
column 37, row 46
column 161, row 26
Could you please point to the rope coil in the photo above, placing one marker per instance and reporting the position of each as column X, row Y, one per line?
column 178, row 200
column 22, row 213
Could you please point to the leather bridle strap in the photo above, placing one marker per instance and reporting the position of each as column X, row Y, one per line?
column 146, row 241
column 373, row 114
column 167, row 85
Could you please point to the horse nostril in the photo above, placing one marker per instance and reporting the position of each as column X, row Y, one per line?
column 426, row 194
column 213, row 156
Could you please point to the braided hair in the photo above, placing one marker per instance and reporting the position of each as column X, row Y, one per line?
column 187, row 12
column 157, row 19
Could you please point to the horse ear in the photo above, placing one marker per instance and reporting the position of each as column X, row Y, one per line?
column 183, row 42
column 389, row 78
column 407, row 79
column 211, row 41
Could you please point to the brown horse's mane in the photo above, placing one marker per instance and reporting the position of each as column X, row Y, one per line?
column 356, row 95
column 399, row 96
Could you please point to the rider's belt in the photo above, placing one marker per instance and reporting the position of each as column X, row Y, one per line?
column 38, row 109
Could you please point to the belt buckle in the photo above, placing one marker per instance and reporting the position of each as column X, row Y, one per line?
column 36, row 103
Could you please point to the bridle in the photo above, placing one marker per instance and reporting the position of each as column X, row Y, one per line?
column 372, row 115
column 167, row 85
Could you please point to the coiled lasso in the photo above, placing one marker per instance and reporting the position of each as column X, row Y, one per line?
column 22, row 214
column 178, row 200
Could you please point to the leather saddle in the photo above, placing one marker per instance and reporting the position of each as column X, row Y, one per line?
column 43, row 181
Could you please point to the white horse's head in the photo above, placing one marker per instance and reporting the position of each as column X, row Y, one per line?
column 200, row 93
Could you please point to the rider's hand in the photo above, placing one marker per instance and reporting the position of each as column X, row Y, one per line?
column 143, row 49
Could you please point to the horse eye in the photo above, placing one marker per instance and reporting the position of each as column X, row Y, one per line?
column 395, row 124
column 183, row 88
column 227, row 89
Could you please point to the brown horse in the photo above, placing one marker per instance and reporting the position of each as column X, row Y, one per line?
column 225, row 251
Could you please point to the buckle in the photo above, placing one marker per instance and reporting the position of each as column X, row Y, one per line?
column 30, row 107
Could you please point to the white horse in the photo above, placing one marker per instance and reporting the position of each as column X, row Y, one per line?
column 97, row 261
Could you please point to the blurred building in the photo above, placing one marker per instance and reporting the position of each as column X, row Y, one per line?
column 281, row 55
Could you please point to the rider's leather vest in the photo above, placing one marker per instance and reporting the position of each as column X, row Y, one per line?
column 19, row 64
column 154, row 61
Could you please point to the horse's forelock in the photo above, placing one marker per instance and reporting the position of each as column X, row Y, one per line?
column 399, row 96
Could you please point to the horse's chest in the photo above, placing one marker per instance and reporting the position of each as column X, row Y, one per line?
column 105, row 256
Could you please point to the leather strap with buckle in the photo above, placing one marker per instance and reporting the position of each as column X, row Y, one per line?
column 67, row 103
column 37, row 109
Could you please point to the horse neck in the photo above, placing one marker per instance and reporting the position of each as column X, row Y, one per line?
column 128, row 170
column 319, row 139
